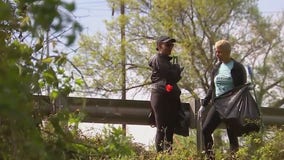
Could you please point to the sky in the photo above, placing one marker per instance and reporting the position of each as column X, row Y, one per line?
column 91, row 15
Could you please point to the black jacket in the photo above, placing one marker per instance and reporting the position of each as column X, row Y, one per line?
column 239, row 76
column 164, row 72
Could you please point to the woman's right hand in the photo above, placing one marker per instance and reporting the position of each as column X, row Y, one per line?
column 200, row 112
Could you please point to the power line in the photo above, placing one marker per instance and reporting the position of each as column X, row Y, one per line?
column 90, row 3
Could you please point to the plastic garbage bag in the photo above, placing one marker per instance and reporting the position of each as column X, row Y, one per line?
column 182, row 125
column 240, row 108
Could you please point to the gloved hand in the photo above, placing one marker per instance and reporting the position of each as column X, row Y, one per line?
column 181, row 69
column 178, row 68
column 200, row 111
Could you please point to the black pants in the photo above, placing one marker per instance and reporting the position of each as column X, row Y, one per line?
column 165, row 107
column 210, row 124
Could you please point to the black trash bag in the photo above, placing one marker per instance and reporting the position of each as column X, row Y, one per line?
column 239, row 108
column 182, row 124
column 183, row 120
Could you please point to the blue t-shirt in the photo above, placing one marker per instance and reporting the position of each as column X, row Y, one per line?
column 223, row 80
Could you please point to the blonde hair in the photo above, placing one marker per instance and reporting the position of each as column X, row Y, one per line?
column 223, row 45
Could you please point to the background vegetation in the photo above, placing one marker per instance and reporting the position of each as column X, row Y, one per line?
column 257, row 42
column 31, row 63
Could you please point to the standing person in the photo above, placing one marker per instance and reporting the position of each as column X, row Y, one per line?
column 225, row 76
column 165, row 93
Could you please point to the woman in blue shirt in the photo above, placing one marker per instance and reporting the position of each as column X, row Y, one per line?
column 226, row 75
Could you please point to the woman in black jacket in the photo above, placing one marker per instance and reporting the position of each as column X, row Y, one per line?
column 226, row 75
column 165, row 94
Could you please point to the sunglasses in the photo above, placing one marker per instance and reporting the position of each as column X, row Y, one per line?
column 169, row 44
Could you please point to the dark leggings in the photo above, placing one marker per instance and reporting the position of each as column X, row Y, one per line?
column 210, row 124
column 165, row 107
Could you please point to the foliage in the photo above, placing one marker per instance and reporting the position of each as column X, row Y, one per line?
column 197, row 25
column 26, row 69
column 114, row 143
column 266, row 146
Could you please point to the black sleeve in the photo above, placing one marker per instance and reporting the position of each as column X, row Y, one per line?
column 209, row 93
column 239, row 75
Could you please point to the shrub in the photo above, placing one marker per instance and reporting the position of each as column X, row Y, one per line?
column 268, row 145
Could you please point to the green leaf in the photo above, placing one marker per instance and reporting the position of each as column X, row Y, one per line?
column 79, row 82
column 50, row 76
column 47, row 60
column 70, row 6
column 5, row 11
column 61, row 60
column 70, row 39
column 54, row 94
column 41, row 84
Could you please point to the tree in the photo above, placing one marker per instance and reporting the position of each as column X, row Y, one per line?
column 267, row 59
column 101, row 59
column 197, row 25
column 25, row 68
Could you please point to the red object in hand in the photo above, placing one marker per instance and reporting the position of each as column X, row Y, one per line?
column 169, row 88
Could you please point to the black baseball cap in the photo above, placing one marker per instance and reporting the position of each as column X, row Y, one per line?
column 165, row 39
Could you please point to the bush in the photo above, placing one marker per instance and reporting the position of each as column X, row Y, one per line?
column 268, row 145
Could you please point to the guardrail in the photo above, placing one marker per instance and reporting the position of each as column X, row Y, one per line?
column 115, row 111
column 98, row 110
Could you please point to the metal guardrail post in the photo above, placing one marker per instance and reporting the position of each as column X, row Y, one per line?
column 198, row 128
column 195, row 105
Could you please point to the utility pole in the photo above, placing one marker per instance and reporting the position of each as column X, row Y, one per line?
column 123, row 55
